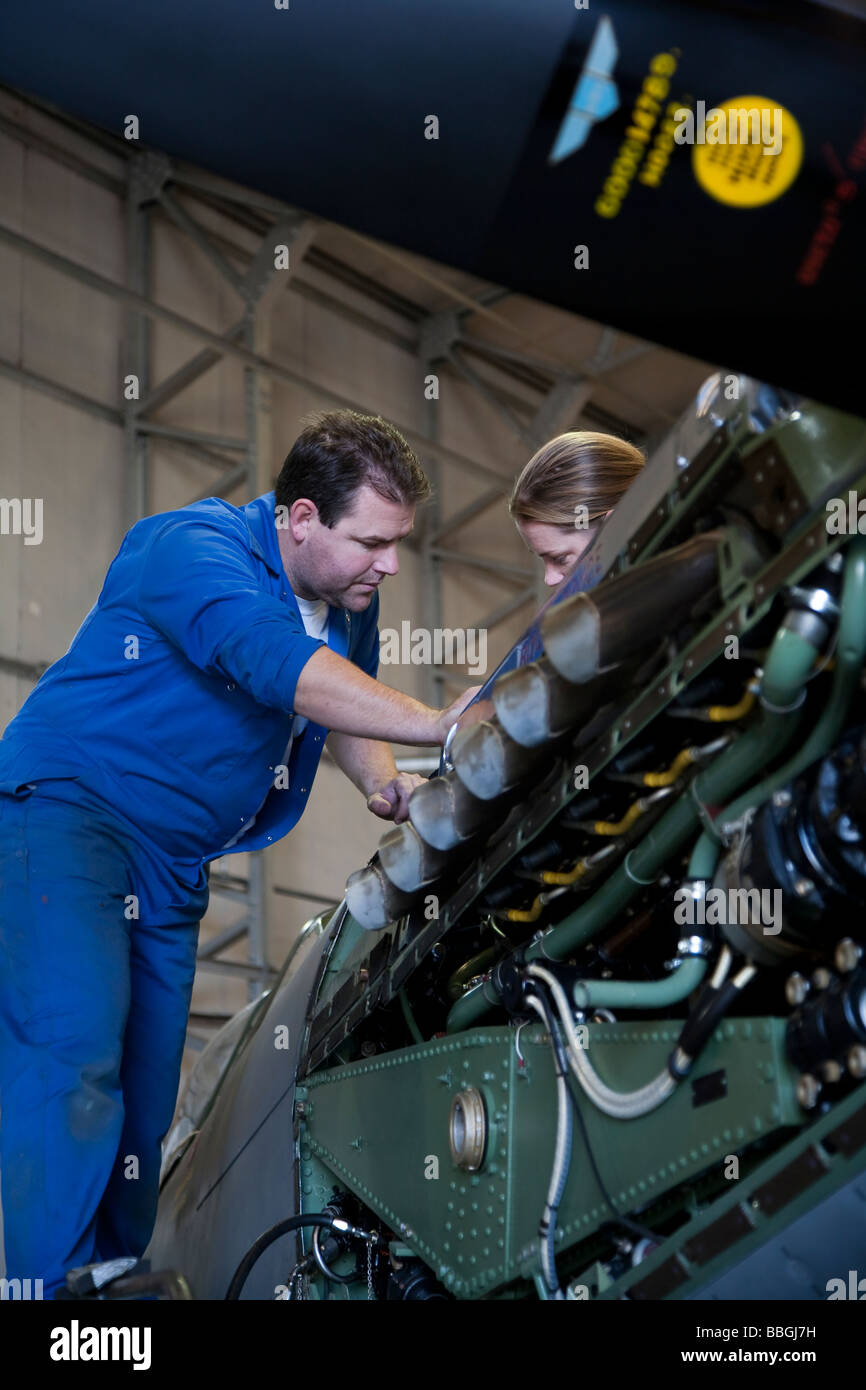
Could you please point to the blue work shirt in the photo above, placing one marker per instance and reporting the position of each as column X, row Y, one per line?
column 174, row 703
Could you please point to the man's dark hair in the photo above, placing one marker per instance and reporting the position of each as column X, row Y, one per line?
column 337, row 452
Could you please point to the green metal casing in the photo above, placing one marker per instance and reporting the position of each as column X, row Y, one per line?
column 381, row 1127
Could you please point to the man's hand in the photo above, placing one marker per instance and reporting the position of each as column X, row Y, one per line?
column 451, row 715
column 391, row 801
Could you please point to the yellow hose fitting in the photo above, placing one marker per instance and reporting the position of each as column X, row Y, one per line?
column 677, row 767
column 565, row 880
column 721, row 714
column 515, row 914
column 618, row 827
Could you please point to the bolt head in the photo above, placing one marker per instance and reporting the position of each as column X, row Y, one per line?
column 796, row 988
column 847, row 955
column 856, row 1061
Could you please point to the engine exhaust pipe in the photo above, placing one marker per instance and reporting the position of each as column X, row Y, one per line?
column 407, row 860
column 445, row 814
column 594, row 632
column 373, row 900
column 534, row 703
column 489, row 762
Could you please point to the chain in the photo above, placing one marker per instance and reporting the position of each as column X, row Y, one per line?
column 369, row 1270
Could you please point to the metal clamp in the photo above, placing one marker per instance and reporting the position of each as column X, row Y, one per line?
column 694, row 946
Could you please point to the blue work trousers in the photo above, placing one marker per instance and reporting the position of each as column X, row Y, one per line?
column 94, row 1002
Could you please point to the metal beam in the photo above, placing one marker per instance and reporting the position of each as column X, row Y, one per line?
column 24, row 377
column 468, row 513
column 231, row 886
column 484, row 301
column 64, row 394
column 213, row 441
column 26, row 670
column 138, row 338
column 524, row 359
column 306, row 290
column 305, row 897
column 556, row 369
column 239, row 970
column 202, row 454
column 33, row 141
column 215, row 1019
column 227, row 482
column 482, row 562
column 222, row 940
column 262, row 283
column 470, row 375
column 190, row 177
column 148, row 307
column 348, row 275
column 196, row 233
column 560, row 408
column 505, row 609
column 190, row 371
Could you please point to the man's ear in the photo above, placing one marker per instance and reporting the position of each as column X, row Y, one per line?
column 301, row 513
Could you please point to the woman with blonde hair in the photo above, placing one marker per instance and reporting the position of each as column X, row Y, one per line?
column 565, row 492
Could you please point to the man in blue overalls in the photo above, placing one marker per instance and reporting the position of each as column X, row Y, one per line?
column 186, row 719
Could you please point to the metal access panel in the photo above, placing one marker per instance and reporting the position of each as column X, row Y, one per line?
column 382, row 1128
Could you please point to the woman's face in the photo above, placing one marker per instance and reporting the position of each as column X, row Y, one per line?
column 559, row 547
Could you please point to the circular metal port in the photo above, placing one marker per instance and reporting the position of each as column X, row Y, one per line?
column 467, row 1129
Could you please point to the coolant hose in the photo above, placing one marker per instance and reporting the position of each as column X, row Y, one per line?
column 850, row 655
column 641, row 994
column 758, row 746
column 622, row 1105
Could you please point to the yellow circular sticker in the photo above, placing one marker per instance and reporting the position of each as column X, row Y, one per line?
column 747, row 151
